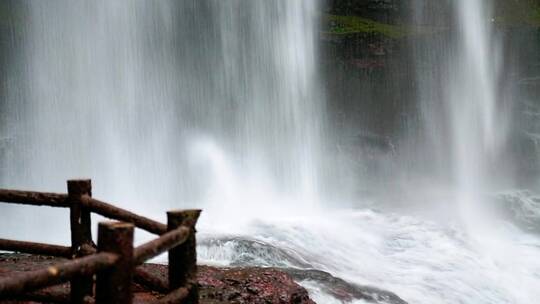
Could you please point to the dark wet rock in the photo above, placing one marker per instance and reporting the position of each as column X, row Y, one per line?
column 254, row 252
column 257, row 253
column 249, row 285
column 383, row 10
column 10, row 263
column 344, row 290
column 522, row 208
column 218, row 285
column 373, row 143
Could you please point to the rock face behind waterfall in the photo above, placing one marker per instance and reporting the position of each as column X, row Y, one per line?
column 374, row 53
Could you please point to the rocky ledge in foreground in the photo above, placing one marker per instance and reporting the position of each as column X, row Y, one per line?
column 250, row 285
column 217, row 285
column 344, row 291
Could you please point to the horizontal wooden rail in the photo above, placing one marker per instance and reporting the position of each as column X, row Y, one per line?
column 35, row 248
column 112, row 212
column 152, row 282
column 114, row 266
column 46, row 296
column 31, row 280
column 175, row 296
column 158, row 246
column 34, row 198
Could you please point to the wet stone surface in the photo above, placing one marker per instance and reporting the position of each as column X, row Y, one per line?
column 217, row 285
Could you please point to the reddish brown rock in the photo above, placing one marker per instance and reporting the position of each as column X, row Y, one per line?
column 250, row 285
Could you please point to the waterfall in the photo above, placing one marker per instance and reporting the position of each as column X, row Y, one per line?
column 220, row 105
column 476, row 114
column 168, row 104
column 465, row 115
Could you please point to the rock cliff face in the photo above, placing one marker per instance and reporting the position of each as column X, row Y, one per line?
column 372, row 50
column 394, row 11
column 380, row 10
column 367, row 75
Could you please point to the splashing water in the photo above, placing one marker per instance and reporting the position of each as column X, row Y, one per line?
column 476, row 117
column 125, row 92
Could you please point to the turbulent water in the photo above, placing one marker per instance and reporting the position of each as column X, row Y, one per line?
column 219, row 104
column 421, row 261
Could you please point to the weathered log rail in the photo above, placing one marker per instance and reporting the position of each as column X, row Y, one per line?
column 111, row 267
column 110, row 211
column 34, row 198
column 35, row 248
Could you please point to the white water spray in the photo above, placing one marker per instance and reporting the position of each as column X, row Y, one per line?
column 216, row 104
column 477, row 117
column 123, row 92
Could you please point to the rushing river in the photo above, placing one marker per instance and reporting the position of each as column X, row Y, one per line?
column 220, row 105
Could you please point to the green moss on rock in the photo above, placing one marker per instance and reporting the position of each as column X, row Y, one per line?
column 10, row 15
column 535, row 16
column 355, row 25
column 514, row 13
column 344, row 25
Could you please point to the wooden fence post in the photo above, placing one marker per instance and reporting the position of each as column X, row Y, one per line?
column 113, row 286
column 183, row 258
column 81, row 235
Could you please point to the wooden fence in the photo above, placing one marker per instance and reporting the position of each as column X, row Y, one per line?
column 104, row 274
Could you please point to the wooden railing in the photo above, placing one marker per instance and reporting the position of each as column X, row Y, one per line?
column 111, row 267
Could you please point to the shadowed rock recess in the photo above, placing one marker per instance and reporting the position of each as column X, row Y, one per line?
column 373, row 54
